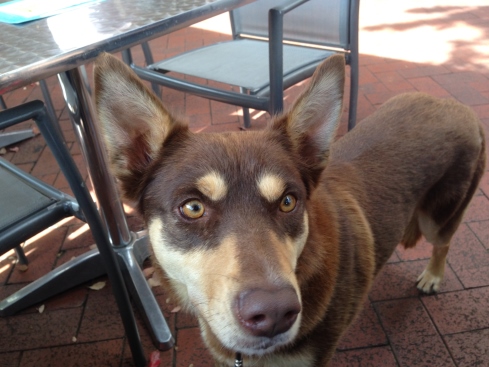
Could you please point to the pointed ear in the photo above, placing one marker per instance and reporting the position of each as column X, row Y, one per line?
column 134, row 123
column 312, row 122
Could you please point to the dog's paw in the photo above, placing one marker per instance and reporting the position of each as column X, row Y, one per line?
column 428, row 283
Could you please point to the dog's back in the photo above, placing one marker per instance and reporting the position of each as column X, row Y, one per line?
column 418, row 158
column 410, row 169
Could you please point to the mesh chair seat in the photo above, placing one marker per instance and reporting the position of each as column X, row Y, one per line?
column 28, row 206
column 244, row 63
column 18, row 199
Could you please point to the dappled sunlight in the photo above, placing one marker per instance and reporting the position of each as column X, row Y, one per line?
column 93, row 195
column 6, row 255
column 30, row 251
column 258, row 114
column 239, row 112
column 29, row 245
column 218, row 24
column 128, row 209
column 199, row 130
column 4, row 268
column 425, row 31
column 84, row 228
column 6, row 261
column 423, row 44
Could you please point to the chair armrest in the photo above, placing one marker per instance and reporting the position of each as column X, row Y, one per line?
column 205, row 91
column 288, row 6
column 17, row 114
column 275, row 41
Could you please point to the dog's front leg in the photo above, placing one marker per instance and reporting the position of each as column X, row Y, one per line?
column 430, row 279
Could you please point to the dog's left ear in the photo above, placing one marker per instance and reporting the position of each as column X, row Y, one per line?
column 312, row 122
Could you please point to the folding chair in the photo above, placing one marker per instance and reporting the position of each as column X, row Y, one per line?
column 275, row 45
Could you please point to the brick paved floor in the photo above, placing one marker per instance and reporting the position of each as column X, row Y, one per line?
column 439, row 47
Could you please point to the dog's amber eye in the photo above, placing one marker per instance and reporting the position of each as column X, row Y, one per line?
column 193, row 209
column 288, row 203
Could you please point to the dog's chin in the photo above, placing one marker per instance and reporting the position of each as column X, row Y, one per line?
column 259, row 346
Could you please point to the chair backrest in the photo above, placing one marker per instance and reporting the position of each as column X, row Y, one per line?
column 320, row 22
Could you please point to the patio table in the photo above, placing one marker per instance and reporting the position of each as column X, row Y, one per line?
column 62, row 44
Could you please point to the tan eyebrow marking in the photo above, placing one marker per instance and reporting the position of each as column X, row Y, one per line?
column 213, row 186
column 271, row 186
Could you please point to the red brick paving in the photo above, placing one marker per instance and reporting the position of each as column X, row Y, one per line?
column 398, row 327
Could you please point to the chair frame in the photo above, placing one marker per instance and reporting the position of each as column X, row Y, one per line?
column 16, row 136
column 62, row 206
column 37, row 111
column 274, row 103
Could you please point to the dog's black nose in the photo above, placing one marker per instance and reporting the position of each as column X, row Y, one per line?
column 268, row 312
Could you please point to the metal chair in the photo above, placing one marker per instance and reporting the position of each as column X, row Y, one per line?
column 275, row 45
column 29, row 206
column 8, row 138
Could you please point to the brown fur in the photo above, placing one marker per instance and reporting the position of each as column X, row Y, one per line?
column 408, row 170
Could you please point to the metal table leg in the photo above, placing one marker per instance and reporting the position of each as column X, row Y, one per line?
column 131, row 247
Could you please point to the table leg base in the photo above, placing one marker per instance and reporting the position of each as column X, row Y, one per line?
column 89, row 266
column 13, row 137
column 75, row 272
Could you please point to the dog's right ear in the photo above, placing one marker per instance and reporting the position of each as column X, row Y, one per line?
column 134, row 122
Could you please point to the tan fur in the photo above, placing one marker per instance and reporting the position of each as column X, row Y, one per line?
column 408, row 170
column 213, row 186
column 271, row 187
column 431, row 278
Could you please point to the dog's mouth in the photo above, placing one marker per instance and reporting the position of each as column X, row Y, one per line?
column 258, row 346
column 262, row 345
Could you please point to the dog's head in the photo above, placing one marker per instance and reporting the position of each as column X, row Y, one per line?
column 227, row 213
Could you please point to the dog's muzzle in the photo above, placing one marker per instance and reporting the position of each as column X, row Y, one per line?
column 267, row 312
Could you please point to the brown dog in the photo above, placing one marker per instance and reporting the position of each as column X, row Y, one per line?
column 273, row 238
